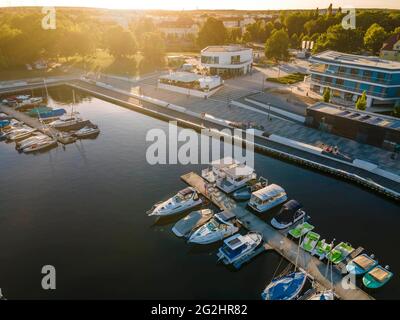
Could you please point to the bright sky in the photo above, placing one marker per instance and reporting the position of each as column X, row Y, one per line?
column 206, row 4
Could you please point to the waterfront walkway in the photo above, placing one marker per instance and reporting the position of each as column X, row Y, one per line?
column 287, row 248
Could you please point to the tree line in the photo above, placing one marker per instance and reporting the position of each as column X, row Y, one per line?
column 23, row 40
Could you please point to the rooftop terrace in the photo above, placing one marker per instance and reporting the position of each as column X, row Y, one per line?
column 229, row 48
column 356, row 60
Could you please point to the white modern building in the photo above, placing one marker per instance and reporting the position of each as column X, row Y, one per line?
column 227, row 61
column 190, row 83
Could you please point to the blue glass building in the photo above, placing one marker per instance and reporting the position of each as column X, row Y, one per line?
column 348, row 76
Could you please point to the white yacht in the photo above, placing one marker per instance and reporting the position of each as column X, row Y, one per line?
column 217, row 228
column 212, row 173
column 184, row 200
column 41, row 145
column 238, row 247
column 267, row 198
column 235, row 177
column 21, row 134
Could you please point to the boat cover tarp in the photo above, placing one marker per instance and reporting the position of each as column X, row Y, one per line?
column 285, row 288
column 195, row 218
column 268, row 192
column 363, row 261
column 379, row 274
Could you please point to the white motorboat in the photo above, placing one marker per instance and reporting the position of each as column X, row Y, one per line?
column 217, row 228
column 65, row 121
column 212, row 173
column 41, row 145
column 184, row 200
column 30, row 141
column 235, row 177
column 87, row 131
column 291, row 212
column 21, row 134
column 267, row 198
column 191, row 222
column 239, row 247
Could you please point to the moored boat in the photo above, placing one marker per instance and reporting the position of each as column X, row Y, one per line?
column 310, row 241
column 191, row 222
column 235, row 177
column 239, row 247
column 244, row 193
column 340, row 252
column 377, row 277
column 20, row 145
column 322, row 249
column 41, row 146
column 212, row 173
column 300, row 230
column 324, row 295
column 287, row 287
column 86, row 132
column 291, row 212
column 361, row 264
column 184, row 200
column 222, row 225
column 266, row 198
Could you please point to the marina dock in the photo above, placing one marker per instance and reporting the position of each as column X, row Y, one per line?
column 290, row 250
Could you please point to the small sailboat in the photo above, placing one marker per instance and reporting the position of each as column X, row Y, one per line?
column 340, row 252
column 287, row 287
column 291, row 212
column 185, row 199
column 310, row 241
column 238, row 247
column 217, row 228
column 361, row 264
column 324, row 295
column 191, row 222
column 41, row 145
column 266, row 198
column 377, row 277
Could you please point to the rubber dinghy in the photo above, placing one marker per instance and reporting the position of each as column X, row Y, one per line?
column 285, row 288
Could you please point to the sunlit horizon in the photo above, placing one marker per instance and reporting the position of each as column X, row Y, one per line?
column 205, row 4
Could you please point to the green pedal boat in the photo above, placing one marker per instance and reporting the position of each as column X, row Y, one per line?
column 301, row 230
column 322, row 249
column 340, row 252
column 310, row 241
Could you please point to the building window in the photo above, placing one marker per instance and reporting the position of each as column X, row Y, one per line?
column 354, row 72
column 342, row 69
column 340, row 82
column 367, row 74
column 235, row 59
column 209, row 60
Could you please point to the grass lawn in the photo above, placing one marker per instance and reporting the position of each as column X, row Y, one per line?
column 289, row 79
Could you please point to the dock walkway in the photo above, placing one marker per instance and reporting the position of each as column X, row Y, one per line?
column 287, row 248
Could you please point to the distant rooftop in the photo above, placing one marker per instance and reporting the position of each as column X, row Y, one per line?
column 357, row 115
column 356, row 60
column 228, row 48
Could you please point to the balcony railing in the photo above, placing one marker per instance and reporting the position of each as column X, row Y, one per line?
column 339, row 86
column 346, row 75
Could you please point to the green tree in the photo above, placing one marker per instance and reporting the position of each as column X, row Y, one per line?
column 120, row 42
column 339, row 39
column 294, row 41
column 374, row 37
column 277, row 46
column 361, row 103
column 326, row 96
column 213, row 32
column 153, row 48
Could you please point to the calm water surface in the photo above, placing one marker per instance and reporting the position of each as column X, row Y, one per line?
column 82, row 209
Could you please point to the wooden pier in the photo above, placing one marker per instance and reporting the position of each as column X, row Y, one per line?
column 289, row 249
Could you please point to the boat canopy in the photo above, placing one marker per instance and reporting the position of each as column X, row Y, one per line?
column 235, row 241
column 380, row 274
column 268, row 192
column 224, row 162
column 226, row 215
column 239, row 171
column 292, row 205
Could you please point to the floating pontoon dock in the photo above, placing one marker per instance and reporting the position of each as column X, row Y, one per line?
column 275, row 240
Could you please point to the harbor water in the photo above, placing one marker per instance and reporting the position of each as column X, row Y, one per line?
column 81, row 208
